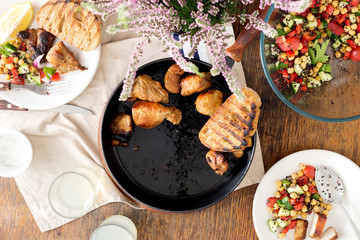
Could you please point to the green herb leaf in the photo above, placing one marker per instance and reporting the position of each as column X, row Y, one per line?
column 281, row 66
column 287, row 203
column 317, row 53
column 3, row 51
column 325, row 68
column 49, row 71
column 357, row 14
column 281, row 32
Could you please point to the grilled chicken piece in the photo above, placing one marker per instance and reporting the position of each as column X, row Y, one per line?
column 194, row 84
column 172, row 78
column 300, row 229
column 317, row 226
column 208, row 102
column 121, row 124
column 150, row 114
column 72, row 23
column 145, row 88
column 63, row 59
column 233, row 124
column 218, row 161
column 38, row 41
column 329, row 234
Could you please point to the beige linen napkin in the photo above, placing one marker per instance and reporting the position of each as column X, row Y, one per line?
column 63, row 142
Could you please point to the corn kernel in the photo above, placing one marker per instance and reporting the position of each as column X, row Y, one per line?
column 316, row 69
column 344, row 10
column 310, row 43
column 343, row 50
column 319, row 65
column 337, row 54
column 278, row 26
column 277, row 195
column 304, row 215
column 276, row 206
column 290, row 70
column 317, row 209
column 27, row 55
column 322, row 8
column 5, row 70
column 335, row 3
column 16, row 59
column 323, row 1
column 293, row 213
column 300, row 46
column 320, row 40
column 336, row 12
column 303, row 65
column 304, row 209
column 297, row 61
column 278, row 183
column 9, row 66
column 294, row 195
column 313, row 202
column 21, row 62
column 287, row 29
column 291, row 58
column 348, row 49
column 329, row 206
column 281, row 188
column 354, row 9
column 352, row 32
column 310, row 17
column 2, row 61
column 300, row 173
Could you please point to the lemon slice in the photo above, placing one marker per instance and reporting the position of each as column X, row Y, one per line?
column 16, row 19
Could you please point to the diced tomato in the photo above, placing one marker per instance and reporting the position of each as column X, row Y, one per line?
column 309, row 171
column 55, row 77
column 355, row 54
column 346, row 56
column 351, row 43
column 282, row 43
column 291, row 34
column 291, row 225
column 294, row 43
column 292, row 201
column 347, row 22
column 341, row 18
column 303, row 87
column 285, row 230
column 10, row 60
column 284, row 73
column 276, row 211
column 271, row 201
column 290, row 53
column 354, row 3
column 316, row 3
column 299, row 80
column 358, row 28
column 17, row 80
column 305, row 13
column 42, row 74
column 318, row 22
column 302, row 198
column 298, row 206
column 293, row 77
column 309, row 36
column 283, row 192
column 312, row 189
column 335, row 28
column 23, row 47
column 14, row 72
column 303, row 180
column 328, row 12
column 298, row 29
column 304, row 50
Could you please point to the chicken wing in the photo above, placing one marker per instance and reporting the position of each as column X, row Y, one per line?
column 145, row 88
column 63, row 59
column 150, row 114
column 194, row 84
column 218, row 161
column 121, row 125
column 172, row 78
column 208, row 102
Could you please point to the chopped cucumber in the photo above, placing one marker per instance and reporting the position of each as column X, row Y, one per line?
column 342, row 4
column 288, row 21
column 296, row 188
column 298, row 69
column 352, row 18
column 312, row 24
column 283, row 212
column 325, row 68
column 28, row 78
column 295, row 86
column 345, row 38
column 273, row 225
column 21, row 54
column 282, row 223
column 336, row 44
column 23, row 69
column 325, row 77
column 298, row 20
column 33, row 77
column 313, row 83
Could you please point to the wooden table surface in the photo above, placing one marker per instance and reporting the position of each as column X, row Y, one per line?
column 282, row 132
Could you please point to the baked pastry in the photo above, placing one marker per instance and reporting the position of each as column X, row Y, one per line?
column 70, row 22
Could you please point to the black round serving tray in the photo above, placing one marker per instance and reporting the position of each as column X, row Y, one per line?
column 164, row 168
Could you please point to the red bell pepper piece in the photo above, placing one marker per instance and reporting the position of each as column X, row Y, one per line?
column 18, row 80
column 346, row 55
column 335, row 28
column 351, row 43
column 291, row 225
column 271, row 201
column 354, row 3
column 347, row 22
column 328, row 12
column 298, row 206
column 312, row 189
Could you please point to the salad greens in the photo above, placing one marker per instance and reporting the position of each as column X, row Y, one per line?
column 317, row 52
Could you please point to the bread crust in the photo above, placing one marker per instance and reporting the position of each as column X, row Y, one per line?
column 67, row 20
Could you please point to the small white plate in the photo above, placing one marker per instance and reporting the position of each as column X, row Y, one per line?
column 79, row 80
column 348, row 172
column 15, row 153
column 123, row 222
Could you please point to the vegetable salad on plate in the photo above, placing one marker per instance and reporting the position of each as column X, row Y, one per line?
column 296, row 197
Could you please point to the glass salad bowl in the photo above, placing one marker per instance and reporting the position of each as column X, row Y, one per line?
column 337, row 100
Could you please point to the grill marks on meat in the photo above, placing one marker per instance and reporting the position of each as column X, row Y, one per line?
column 63, row 59
column 233, row 124
column 38, row 41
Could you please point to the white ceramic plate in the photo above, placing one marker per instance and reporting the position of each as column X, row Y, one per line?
column 347, row 171
column 79, row 80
